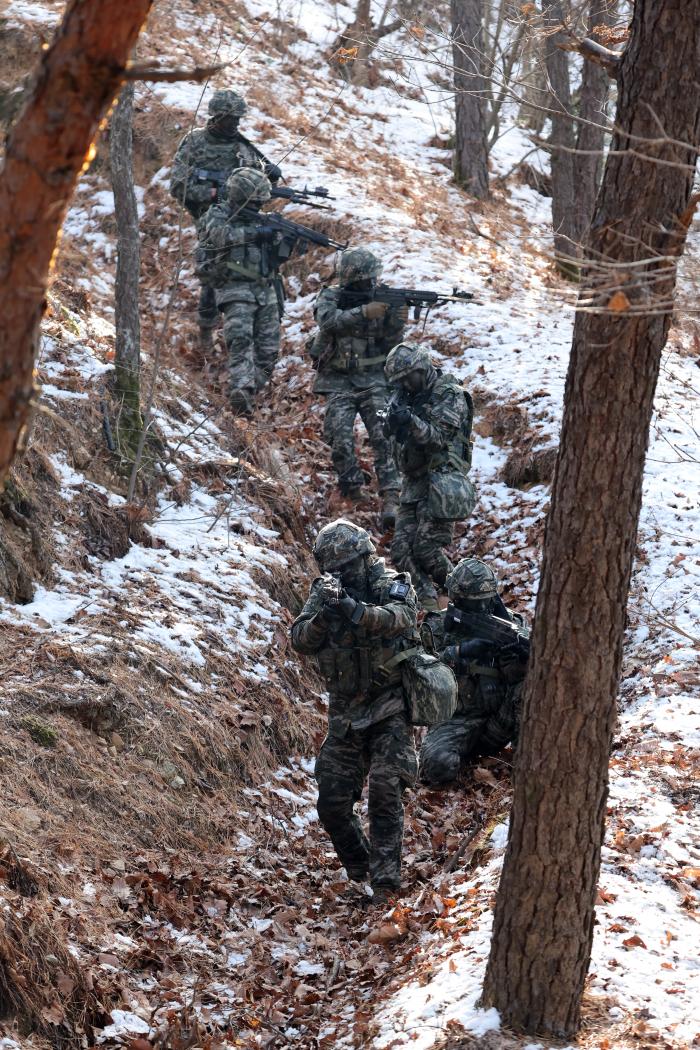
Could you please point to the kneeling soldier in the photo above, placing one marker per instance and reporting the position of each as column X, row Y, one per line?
column 358, row 616
column 487, row 647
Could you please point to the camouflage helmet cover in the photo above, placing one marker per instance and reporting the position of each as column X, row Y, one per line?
column 339, row 542
column 228, row 103
column 405, row 358
column 248, row 184
column 471, row 580
column 357, row 264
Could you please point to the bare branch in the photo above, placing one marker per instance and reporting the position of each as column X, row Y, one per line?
column 594, row 52
column 162, row 74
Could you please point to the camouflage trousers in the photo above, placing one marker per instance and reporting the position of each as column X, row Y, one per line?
column 385, row 753
column 252, row 337
column 417, row 548
column 339, row 432
column 449, row 745
column 207, row 312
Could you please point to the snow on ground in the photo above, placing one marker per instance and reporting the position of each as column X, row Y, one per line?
column 514, row 341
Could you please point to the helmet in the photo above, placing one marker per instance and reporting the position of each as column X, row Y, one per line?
column 227, row 103
column 405, row 358
column 245, row 185
column 356, row 264
column 340, row 542
column 471, row 580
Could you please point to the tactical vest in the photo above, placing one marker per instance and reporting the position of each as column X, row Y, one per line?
column 218, row 267
column 482, row 687
column 360, row 348
column 353, row 662
column 414, row 461
column 206, row 152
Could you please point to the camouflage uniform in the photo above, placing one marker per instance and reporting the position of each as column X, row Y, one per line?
column 487, row 647
column 432, row 450
column 209, row 149
column 350, row 350
column 247, row 293
column 368, row 730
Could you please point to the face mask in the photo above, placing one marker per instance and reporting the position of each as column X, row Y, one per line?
column 225, row 126
column 414, row 382
column 353, row 575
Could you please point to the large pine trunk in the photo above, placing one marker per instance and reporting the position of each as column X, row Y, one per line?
column 127, row 356
column 543, row 923
column 471, row 87
column 77, row 79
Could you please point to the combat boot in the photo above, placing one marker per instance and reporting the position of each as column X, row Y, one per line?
column 390, row 509
column 383, row 895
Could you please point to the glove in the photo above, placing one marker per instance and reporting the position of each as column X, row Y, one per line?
column 329, row 614
column 351, row 610
column 400, row 416
column 374, row 311
column 474, row 649
column 273, row 172
column 402, row 314
column 264, row 234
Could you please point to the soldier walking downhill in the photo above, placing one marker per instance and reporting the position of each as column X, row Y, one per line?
column 350, row 351
column 487, row 647
column 237, row 254
column 359, row 615
column 203, row 161
column 429, row 419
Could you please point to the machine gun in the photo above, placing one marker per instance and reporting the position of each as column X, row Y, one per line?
column 288, row 193
column 283, row 235
column 398, row 297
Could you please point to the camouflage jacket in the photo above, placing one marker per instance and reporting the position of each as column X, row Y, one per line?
column 491, row 684
column 437, row 441
column 228, row 241
column 352, row 657
column 349, row 349
column 200, row 150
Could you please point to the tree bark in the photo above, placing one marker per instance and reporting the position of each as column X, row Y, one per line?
column 127, row 357
column 590, row 140
column 533, row 81
column 47, row 149
column 564, row 214
column 543, row 923
column 470, row 161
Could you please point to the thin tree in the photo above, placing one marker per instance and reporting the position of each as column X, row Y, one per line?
column 470, row 158
column 47, row 148
column 543, row 924
column 562, row 141
column 127, row 357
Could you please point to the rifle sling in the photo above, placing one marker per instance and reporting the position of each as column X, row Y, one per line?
column 249, row 274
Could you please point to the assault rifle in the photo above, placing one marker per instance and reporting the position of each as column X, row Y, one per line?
column 284, row 235
column 288, row 193
column 398, row 297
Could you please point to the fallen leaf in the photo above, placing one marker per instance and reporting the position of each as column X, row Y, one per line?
column 386, row 933
column 618, row 303
column 635, row 941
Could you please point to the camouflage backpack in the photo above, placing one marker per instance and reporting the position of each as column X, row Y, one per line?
column 429, row 686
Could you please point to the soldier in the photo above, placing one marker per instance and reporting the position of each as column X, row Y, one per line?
column 487, row 647
column 358, row 615
column 214, row 150
column 429, row 419
column 350, row 351
column 237, row 255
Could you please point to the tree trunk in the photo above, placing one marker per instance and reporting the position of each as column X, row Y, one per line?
column 566, row 232
column 47, row 148
column 595, row 87
column 543, row 923
column 127, row 358
column 533, row 79
column 471, row 92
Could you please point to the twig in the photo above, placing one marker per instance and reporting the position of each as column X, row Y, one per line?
column 480, row 233
column 454, row 860
column 594, row 52
column 163, row 74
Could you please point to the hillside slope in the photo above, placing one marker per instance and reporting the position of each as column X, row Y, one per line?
column 163, row 874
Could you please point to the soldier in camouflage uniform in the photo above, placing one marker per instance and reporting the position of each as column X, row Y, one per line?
column 487, row 647
column 358, row 615
column 237, row 250
column 216, row 149
column 429, row 419
column 350, row 351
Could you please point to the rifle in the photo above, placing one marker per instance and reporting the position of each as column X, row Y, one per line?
column 398, row 297
column 291, row 233
column 294, row 196
column 390, row 427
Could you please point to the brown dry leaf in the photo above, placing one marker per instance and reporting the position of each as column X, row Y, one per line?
column 485, row 776
column 619, row 302
column 386, row 934
column 417, row 30
column 691, row 873
column 635, row 941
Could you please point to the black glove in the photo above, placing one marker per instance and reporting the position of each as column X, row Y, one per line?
column 400, row 416
column 329, row 614
column 264, row 234
column 475, row 649
column 273, row 172
column 351, row 610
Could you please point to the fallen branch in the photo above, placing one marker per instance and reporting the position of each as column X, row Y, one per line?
column 162, row 74
column 594, row 52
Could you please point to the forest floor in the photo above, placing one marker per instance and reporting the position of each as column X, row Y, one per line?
column 164, row 879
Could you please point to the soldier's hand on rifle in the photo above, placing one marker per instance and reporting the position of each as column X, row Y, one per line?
column 351, row 610
column 399, row 416
column 273, row 172
column 402, row 313
column 374, row 311
column 264, row 234
column 329, row 614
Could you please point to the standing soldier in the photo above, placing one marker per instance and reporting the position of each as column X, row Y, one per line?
column 350, row 351
column 359, row 615
column 204, row 160
column 487, row 647
column 429, row 419
column 237, row 255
